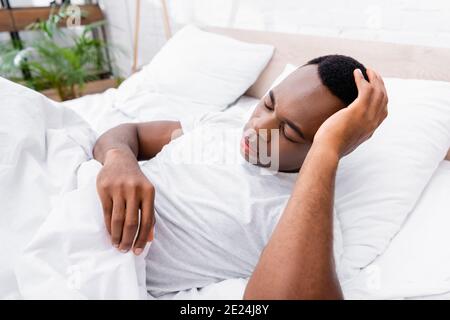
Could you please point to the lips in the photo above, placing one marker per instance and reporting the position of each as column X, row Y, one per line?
column 245, row 145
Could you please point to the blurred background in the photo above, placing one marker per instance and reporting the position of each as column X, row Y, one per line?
column 403, row 21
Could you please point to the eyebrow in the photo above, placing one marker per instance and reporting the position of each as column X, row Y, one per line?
column 291, row 124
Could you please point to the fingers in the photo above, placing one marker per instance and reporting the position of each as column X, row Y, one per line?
column 146, row 227
column 386, row 99
column 372, row 75
column 359, row 79
column 375, row 80
column 372, row 99
column 107, row 209
column 122, row 198
column 380, row 96
column 117, row 220
column 151, row 235
column 379, row 100
column 128, row 226
column 131, row 224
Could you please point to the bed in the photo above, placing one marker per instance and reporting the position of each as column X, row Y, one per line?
column 401, row 61
column 103, row 111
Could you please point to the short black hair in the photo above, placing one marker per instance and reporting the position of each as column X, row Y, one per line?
column 336, row 73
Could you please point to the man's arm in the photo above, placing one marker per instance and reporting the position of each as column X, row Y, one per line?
column 298, row 261
column 144, row 140
column 122, row 187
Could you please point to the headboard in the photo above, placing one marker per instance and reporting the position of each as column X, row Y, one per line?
column 389, row 59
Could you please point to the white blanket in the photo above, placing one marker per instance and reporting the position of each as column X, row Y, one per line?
column 71, row 256
column 52, row 236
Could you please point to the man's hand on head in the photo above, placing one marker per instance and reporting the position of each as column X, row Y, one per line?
column 344, row 131
column 124, row 191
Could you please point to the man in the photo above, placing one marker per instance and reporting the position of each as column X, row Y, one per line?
column 217, row 220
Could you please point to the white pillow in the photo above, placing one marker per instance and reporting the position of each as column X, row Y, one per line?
column 417, row 262
column 200, row 67
column 379, row 183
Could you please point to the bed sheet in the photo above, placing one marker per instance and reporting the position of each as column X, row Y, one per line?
column 102, row 112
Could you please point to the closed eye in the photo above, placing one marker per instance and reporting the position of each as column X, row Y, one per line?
column 283, row 131
column 271, row 104
column 287, row 125
column 268, row 107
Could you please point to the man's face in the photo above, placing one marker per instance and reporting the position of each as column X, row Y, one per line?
column 297, row 107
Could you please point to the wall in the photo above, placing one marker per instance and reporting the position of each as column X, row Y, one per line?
column 121, row 26
column 403, row 21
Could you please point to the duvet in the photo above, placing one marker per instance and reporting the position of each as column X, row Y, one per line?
column 53, row 241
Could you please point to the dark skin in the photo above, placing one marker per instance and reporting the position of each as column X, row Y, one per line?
column 297, row 262
column 297, row 111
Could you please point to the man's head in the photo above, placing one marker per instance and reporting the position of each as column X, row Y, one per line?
column 297, row 107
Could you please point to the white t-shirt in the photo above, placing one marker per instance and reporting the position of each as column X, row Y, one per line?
column 215, row 212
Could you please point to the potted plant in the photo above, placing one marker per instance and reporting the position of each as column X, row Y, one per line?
column 63, row 61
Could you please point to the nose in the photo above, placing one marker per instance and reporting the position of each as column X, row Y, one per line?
column 263, row 126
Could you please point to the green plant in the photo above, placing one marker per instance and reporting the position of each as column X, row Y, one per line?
column 56, row 59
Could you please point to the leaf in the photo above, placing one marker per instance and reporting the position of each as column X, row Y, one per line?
column 60, row 62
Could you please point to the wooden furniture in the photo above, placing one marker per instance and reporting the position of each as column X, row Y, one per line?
column 17, row 19
column 137, row 29
column 92, row 87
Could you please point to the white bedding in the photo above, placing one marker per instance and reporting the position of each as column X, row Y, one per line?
column 71, row 256
column 42, row 144
column 416, row 263
column 53, row 240
column 102, row 111
column 52, row 236
column 363, row 286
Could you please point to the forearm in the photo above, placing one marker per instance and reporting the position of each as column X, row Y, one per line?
column 142, row 141
column 298, row 262
column 123, row 138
